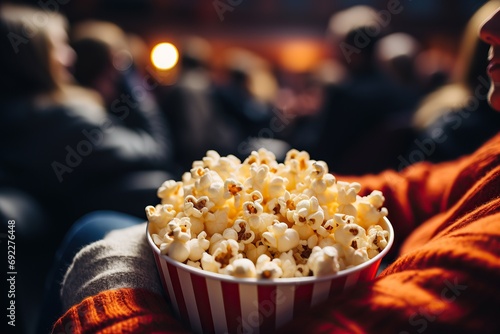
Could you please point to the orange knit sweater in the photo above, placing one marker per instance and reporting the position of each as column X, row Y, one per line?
column 445, row 277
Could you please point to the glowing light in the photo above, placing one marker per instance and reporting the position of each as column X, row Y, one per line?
column 299, row 56
column 164, row 56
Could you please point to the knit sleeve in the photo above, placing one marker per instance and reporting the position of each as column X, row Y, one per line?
column 124, row 310
column 450, row 285
column 423, row 190
column 112, row 286
column 123, row 259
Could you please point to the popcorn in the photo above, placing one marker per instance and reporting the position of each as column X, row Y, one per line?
column 267, row 268
column 309, row 212
column 288, row 265
column 171, row 192
column 160, row 214
column 217, row 221
column 323, row 261
column 346, row 234
column 196, row 207
column 198, row 246
column 280, row 237
column 243, row 268
column 357, row 256
column 263, row 219
column 233, row 188
column 208, row 263
column 177, row 246
column 244, row 233
column 225, row 252
column 254, row 251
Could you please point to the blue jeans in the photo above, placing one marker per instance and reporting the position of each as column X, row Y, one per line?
column 89, row 228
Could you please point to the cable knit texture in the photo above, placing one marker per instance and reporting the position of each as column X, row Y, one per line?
column 123, row 310
column 444, row 278
column 122, row 259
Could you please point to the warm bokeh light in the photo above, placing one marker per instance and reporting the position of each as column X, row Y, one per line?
column 300, row 56
column 164, row 56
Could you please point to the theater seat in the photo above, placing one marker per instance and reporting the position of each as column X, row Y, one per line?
column 33, row 251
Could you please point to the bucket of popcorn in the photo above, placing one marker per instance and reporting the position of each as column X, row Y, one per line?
column 245, row 247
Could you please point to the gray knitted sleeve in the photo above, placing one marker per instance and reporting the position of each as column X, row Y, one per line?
column 122, row 259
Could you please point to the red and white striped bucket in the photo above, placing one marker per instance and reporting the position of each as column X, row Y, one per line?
column 216, row 303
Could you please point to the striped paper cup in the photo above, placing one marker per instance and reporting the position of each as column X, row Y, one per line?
column 217, row 303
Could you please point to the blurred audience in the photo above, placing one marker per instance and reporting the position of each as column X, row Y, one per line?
column 456, row 119
column 190, row 108
column 57, row 141
column 246, row 96
column 442, row 274
column 301, row 101
column 224, row 115
column 61, row 154
column 249, row 87
column 99, row 45
column 111, row 62
column 396, row 54
column 434, row 67
column 363, row 122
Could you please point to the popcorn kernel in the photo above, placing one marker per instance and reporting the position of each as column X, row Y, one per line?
column 263, row 219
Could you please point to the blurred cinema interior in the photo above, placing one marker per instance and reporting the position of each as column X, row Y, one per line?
column 348, row 81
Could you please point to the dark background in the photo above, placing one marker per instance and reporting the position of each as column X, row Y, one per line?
column 265, row 26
